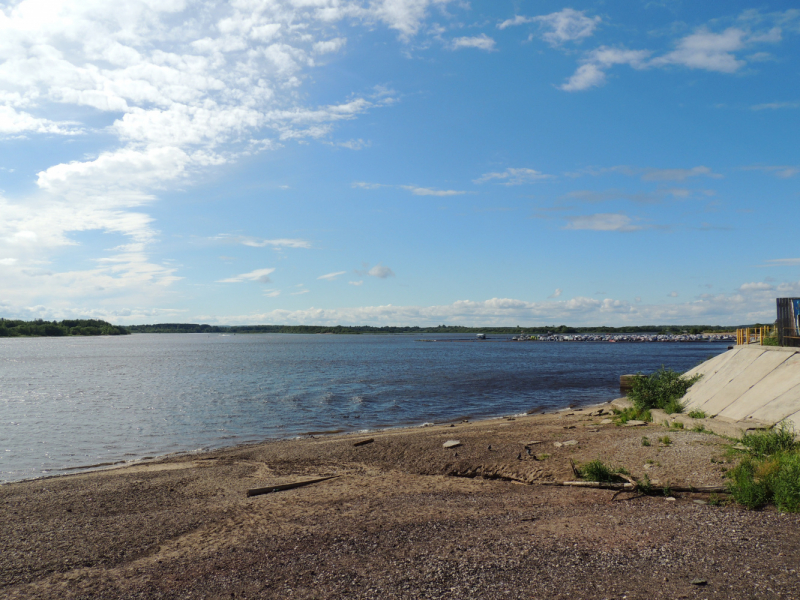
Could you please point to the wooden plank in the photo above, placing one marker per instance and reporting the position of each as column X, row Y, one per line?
column 286, row 486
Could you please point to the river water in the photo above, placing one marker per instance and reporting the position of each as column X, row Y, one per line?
column 72, row 402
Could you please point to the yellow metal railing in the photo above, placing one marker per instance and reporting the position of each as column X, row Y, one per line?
column 755, row 335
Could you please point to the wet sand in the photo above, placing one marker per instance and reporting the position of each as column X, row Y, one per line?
column 405, row 518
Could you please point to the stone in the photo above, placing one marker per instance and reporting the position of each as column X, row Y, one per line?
column 451, row 444
column 634, row 423
column 570, row 443
column 699, row 582
column 606, row 421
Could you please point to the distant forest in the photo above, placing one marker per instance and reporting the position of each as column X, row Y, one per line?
column 15, row 328
column 368, row 329
column 39, row 328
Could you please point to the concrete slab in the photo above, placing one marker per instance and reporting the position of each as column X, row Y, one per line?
column 711, row 366
column 781, row 407
column 768, row 390
column 749, row 377
column 794, row 420
column 708, row 387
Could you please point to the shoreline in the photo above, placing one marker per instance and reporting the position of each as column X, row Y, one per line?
column 406, row 516
column 147, row 459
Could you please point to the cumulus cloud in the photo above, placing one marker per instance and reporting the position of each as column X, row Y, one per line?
column 603, row 222
column 184, row 87
column 703, row 49
column 743, row 306
column 481, row 42
column 259, row 275
column 512, row 176
column 556, row 294
column 332, row 276
column 559, row 27
column 756, row 287
column 380, row 271
column 356, row 283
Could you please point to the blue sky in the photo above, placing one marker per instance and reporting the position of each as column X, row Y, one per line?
column 409, row 162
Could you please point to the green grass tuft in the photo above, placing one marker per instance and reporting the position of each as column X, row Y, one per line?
column 597, row 470
column 698, row 414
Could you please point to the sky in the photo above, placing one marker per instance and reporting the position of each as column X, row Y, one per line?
column 399, row 162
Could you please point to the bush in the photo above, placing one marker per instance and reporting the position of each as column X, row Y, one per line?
column 771, row 473
column 662, row 389
column 698, row 414
column 778, row 439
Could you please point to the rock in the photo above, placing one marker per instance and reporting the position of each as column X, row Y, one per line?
column 634, row 423
column 451, row 444
column 699, row 582
column 557, row 444
column 606, row 421
column 569, row 443
column 569, row 426
column 427, row 424
column 669, row 499
column 533, row 443
column 699, row 501
column 740, row 447
column 647, row 467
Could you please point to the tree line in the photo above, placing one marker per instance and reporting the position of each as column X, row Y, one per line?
column 67, row 327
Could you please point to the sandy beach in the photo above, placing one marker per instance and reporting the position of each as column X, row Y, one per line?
column 405, row 518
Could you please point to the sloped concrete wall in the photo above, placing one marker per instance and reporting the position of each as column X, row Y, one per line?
column 759, row 384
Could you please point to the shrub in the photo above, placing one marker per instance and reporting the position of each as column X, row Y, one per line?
column 665, row 440
column 632, row 414
column 771, row 472
column 596, row 470
column 645, row 441
column 662, row 389
column 698, row 414
column 778, row 439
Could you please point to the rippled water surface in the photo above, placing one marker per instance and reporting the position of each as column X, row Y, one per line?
column 72, row 402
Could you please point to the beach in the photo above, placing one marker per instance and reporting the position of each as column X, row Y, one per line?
column 404, row 518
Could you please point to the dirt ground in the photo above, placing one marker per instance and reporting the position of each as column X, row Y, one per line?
column 405, row 518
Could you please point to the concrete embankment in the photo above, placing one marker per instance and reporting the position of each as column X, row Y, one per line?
column 749, row 387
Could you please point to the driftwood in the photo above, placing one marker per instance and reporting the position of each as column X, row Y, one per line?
column 364, row 442
column 286, row 486
column 633, row 486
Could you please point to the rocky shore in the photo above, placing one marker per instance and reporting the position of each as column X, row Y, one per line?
column 406, row 517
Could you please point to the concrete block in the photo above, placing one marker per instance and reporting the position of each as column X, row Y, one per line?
column 769, row 389
column 705, row 389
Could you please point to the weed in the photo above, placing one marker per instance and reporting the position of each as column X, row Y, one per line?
column 596, row 470
column 770, row 472
column 633, row 414
column 649, row 461
column 677, row 425
column 698, row 414
column 699, row 428
column 662, row 389
column 645, row 441
column 665, row 440
column 777, row 439
column 714, row 500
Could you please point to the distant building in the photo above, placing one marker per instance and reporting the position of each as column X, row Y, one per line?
column 788, row 322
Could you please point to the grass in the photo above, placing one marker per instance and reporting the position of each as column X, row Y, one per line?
column 769, row 341
column 631, row 414
column 662, row 389
column 597, row 470
column 645, row 441
column 665, row 440
column 770, row 473
column 698, row 414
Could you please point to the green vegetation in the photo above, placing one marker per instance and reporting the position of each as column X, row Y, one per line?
column 662, row 389
column 645, row 441
column 698, row 414
column 631, row 414
column 40, row 328
column 770, row 472
column 665, row 440
column 596, row 470
column 769, row 341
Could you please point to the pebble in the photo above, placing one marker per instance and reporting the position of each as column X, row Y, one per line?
column 699, row 582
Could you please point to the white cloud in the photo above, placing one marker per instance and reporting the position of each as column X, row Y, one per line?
column 746, row 306
column 756, row 287
column 300, row 293
column 356, row 283
column 272, row 293
column 782, row 171
column 556, row 294
column 421, row 191
column 255, row 242
column 332, row 276
column 13, row 122
column 513, row 176
column 564, row 26
column 603, row 222
column 380, row 271
column 783, row 262
column 326, row 46
column 678, row 174
column 481, row 42
column 593, row 72
column 673, row 294
column 259, row 275
column 775, row 105
column 708, row 51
